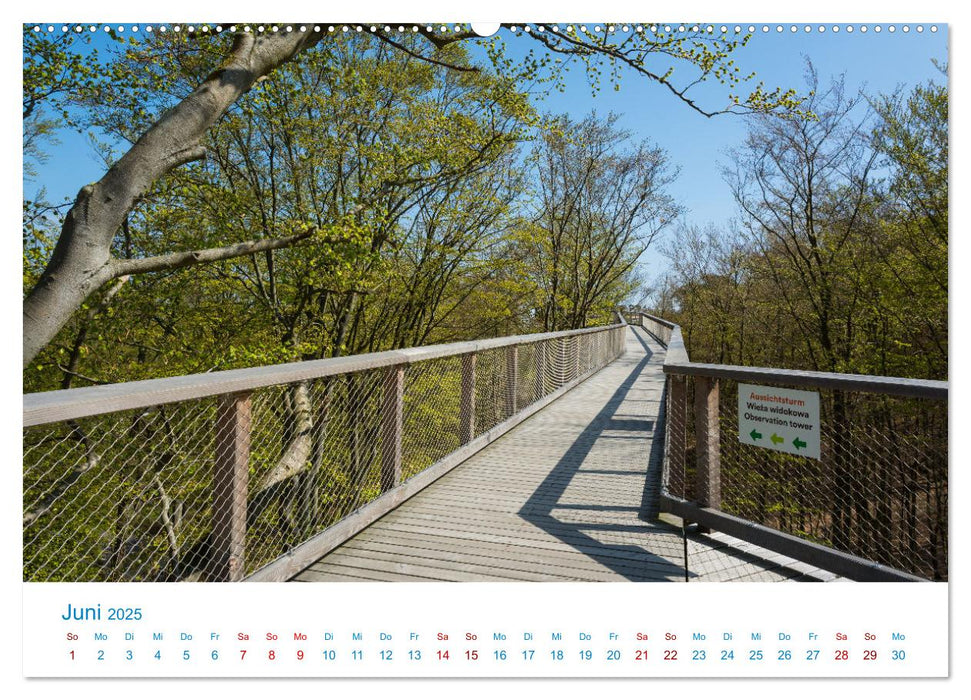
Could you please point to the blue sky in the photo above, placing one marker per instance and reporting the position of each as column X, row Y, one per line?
column 878, row 62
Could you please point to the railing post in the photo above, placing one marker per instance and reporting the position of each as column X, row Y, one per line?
column 512, row 380
column 392, row 408
column 467, row 400
column 708, row 476
column 677, row 430
column 229, row 487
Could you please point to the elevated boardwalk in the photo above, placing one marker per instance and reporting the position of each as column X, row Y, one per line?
column 569, row 495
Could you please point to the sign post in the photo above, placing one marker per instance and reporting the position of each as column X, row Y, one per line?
column 784, row 420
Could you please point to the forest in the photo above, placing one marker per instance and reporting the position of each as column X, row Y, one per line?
column 386, row 195
column 389, row 195
column 837, row 259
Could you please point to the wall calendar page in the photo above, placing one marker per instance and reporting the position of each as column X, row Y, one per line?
column 613, row 351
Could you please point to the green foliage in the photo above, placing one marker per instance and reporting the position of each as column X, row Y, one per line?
column 60, row 71
column 402, row 156
column 853, row 279
column 403, row 170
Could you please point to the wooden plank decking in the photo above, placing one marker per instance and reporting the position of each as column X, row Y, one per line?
column 569, row 495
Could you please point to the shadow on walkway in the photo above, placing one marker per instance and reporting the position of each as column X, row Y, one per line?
column 633, row 561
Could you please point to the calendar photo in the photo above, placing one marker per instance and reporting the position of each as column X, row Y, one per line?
column 372, row 303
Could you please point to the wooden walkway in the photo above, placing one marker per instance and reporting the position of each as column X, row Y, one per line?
column 569, row 495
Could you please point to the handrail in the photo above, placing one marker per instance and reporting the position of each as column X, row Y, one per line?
column 677, row 353
column 677, row 362
column 69, row 404
column 864, row 383
column 662, row 321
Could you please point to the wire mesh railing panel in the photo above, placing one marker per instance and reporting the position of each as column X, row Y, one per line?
column 529, row 375
column 878, row 491
column 559, row 364
column 492, row 389
column 586, row 359
column 658, row 330
column 678, row 476
column 432, row 398
column 119, row 497
column 546, row 380
column 217, row 488
column 315, row 457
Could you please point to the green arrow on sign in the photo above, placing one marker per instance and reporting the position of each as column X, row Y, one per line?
column 776, row 439
column 798, row 443
column 754, row 435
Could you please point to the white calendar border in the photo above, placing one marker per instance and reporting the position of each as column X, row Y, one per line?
column 509, row 10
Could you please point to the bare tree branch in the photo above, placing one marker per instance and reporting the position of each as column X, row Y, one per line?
column 427, row 59
column 173, row 261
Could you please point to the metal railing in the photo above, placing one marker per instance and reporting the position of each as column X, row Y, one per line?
column 256, row 473
column 872, row 507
